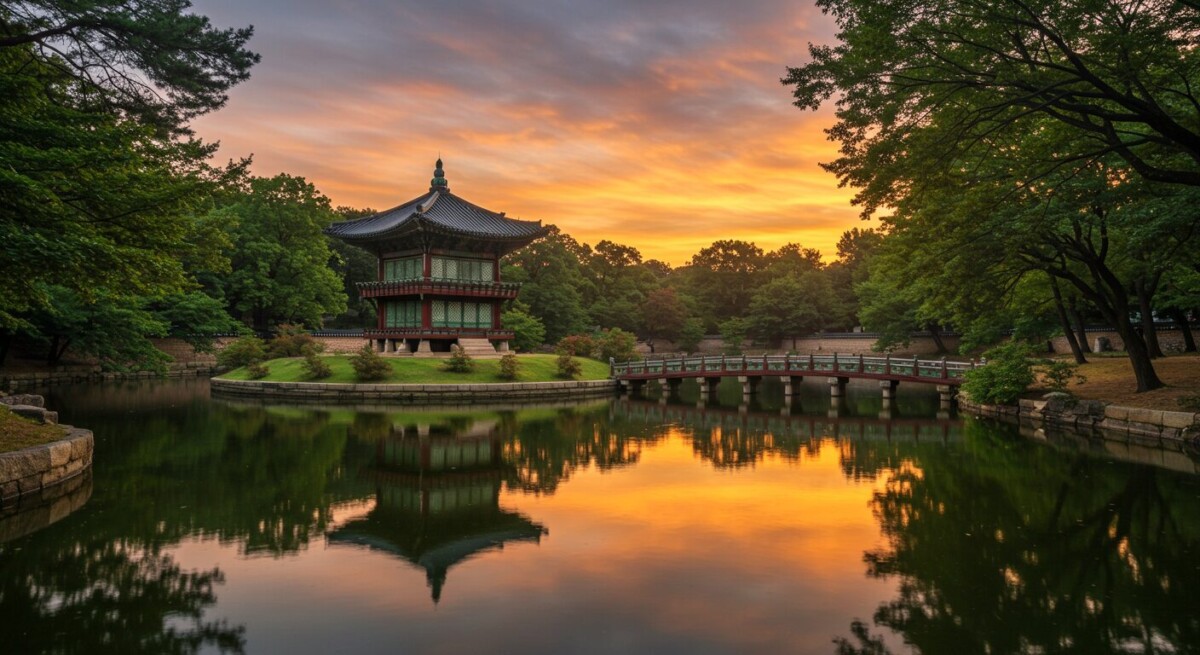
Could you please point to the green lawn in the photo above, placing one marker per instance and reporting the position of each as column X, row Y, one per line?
column 17, row 432
column 410, row 370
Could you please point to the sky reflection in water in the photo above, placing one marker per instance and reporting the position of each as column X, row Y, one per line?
column 622, row 527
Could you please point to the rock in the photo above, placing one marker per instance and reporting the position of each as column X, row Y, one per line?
column 29, row 399
column 29, row 411
column 1058, row 402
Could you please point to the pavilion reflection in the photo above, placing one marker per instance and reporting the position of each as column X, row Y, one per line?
column 438, row 498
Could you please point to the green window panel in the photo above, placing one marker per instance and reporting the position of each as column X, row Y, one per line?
column 406, row 268
column 453, row 313
column 404, row 313
column 466, row 270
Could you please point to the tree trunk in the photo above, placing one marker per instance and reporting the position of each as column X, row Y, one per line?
column 1177, row 315
column 1068, row 332
column 1144, row 291
column 935, row 333
column 1080, row 329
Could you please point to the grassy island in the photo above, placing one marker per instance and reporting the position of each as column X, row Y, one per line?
column 17, row 432
column 412, row 370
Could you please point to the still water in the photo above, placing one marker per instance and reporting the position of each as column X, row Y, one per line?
column 609, row 527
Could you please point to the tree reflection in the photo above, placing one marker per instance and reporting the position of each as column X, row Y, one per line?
column 86, row 595
column 1009, row 546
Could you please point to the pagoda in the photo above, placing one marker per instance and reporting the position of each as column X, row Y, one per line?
column 439, row 271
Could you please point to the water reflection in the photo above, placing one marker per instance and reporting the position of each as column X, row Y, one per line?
column 1012, row 547
column 677, row 528
column 438, row 497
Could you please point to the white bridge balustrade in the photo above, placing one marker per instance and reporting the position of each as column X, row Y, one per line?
column 792, row 369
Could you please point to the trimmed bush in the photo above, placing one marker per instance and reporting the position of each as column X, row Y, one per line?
column 1008, row 373
column 369, row 366
column 460, row 361
column 509, row 367
column 292, row 341
column 257, row 370
column 579, row 345
column 619, row 345
column 568, row 367
column 315, row 367
column 243, row 352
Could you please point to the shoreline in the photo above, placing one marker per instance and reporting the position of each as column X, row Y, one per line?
column 412, row 394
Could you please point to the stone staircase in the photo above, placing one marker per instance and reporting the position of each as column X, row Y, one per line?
column 478, row 347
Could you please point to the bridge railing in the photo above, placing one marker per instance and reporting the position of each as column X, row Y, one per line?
column 886, row 366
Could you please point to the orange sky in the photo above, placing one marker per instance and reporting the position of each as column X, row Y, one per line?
column 659, row 125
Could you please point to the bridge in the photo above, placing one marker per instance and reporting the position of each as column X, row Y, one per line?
column 792, row 369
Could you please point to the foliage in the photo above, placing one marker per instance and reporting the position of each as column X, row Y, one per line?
column 257, row 370
column 245, row 351
column 459, row 361
column 1057, row 374
column 790, row 306
column 663, row 315
column 292, row 341
column 617, row 345
column 568, row 367
column 579, row 345
column 510, row 366
column 1009, row 371
column 551, row 280
column 1190, row 402
column 528, row 331
column 315, row 368
column 353, row 265
column 197, row 318
column 691, row 335
column 146, row 59
column 370, row 366
column 115, row 330
column 733, row 335
column 280, row 263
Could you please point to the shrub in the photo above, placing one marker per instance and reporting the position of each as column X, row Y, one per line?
column 460, row 361
column 315, row 367
column 733, row 334
column 369, row 366
column 1057, row 374
column 243, row 352
column 569, row 368
column 579, row 345
column 1008, row 373
column 617, row 344
column 691, row 335
column 528, row 330
column 292, row 341
column 509, row 367
column 257, row 370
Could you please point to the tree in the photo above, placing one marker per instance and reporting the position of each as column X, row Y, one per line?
column 528, row 331
column 115, row 331
column 1120, row 76
column 551, row 278
column 149, row 60
column 195, row 318
column 691, row 335
column 723, row 276
column 663, row 316
column 790, row 306
column 354, row 265
column 280, row 259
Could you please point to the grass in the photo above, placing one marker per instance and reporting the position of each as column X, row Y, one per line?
column 17, row 432
column 409, row 370
column 1111, row 379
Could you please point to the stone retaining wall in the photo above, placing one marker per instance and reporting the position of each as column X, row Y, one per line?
column 33, row 470
column 1093, row 417
column 40, row 509
column 413, row 394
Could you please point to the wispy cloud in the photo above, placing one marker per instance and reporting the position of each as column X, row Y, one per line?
column 662, row 125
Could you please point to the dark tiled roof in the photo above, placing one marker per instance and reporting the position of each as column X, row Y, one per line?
column 439, row 211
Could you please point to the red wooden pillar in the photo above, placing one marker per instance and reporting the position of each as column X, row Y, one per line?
column 426, row 313
column 426, row 265
column 496, row 315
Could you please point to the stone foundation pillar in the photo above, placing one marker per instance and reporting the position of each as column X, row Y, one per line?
column 708, row 388
column 791, row 386
column 423, row 347
column 888, row 388
column 836, row 404
column 379, row 344
column 837, row 387
column 401, row 346
column 749, row 386
column 946, row 393
column 389, row 345
column 503, row 347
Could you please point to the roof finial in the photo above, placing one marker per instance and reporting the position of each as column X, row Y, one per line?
column 439, row 183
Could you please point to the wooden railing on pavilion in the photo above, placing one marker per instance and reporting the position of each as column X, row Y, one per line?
column 426, row 333
column 504, row 290
column 940, row 371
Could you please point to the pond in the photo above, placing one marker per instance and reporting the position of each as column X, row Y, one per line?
column 608, row 527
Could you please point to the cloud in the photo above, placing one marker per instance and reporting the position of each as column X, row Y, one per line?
column 662, row 125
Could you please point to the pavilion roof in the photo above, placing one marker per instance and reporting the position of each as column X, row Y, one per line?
column 439, row 212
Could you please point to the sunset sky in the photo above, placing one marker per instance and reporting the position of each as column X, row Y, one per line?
column 661, row 125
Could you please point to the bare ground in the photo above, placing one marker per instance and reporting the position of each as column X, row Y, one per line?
column 1110, row 378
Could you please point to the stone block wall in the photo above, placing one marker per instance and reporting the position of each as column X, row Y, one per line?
column 33, row 470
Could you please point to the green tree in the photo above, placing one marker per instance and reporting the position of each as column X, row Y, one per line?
column 723, row 277
column 551, row 278
column 733, row 335
column 280, row 258
column 663, row 316
column 790, row 306
column 150, row 60
column 528, row 331
column 115, row 331
column 691, row 335
column 354, row 265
